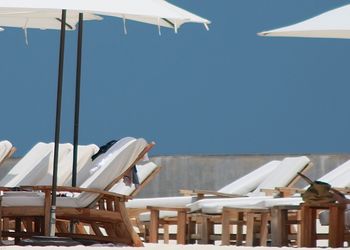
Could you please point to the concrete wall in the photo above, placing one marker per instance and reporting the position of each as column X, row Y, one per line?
column 212, row 172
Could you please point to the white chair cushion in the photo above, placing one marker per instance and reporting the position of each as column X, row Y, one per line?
column 249, row 182
column 332, row 176
column 34, row 165
column 221, row 202
column 64, row 174
column 248, row 202
column 144, row 170
column 283, row 174
column 45, row 166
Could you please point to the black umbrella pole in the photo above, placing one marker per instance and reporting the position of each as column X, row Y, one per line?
column 77, row 101
column 52, row 225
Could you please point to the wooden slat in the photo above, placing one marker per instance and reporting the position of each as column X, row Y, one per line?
column 87, row 214
column 96, row 229
column 199, row 192
column 76, row 190
column 297, row 177
column 12, row 212
column 62, row 226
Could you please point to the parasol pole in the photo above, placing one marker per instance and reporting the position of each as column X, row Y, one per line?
column 52, row 222
column 77, row 101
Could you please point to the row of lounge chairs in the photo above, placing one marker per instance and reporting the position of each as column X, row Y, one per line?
column 266, row 216
column 103, row 210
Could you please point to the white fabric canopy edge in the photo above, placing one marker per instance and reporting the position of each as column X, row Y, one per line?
column 331, row 24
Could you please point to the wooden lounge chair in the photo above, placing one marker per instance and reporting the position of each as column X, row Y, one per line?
column 110, row 213
column 6, row 150
column 206, row 213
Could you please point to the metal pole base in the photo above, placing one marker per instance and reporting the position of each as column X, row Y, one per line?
column 48, row 241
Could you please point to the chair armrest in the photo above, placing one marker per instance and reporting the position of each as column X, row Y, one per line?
column 287, row 191
column 202, row 193
column 280, row 191
column 76, row 190
column 269, row 191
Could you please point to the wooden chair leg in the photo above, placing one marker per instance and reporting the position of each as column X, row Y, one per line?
column 225, row 234
column 250, row 229
column 191, row 231
column 181, row 227
column 17, row 230
column 207, row 229
column 308, row 227
column 264, row 229
column 336, row 226
column 37, row 225
column 5, row 226
column 239, row 230
column 47, row 207
column 298, row 243
column 154, row 226
column 166, row 235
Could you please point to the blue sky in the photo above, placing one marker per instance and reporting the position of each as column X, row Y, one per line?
column 226, row 91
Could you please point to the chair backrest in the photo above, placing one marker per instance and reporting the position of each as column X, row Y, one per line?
column 249, row 182
column 5, row 149
column 283, row 174
column 145, row 170
column 34, row 165
column 338, row 177
column 110, row 166
column 86, row 171
column 64, row 173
